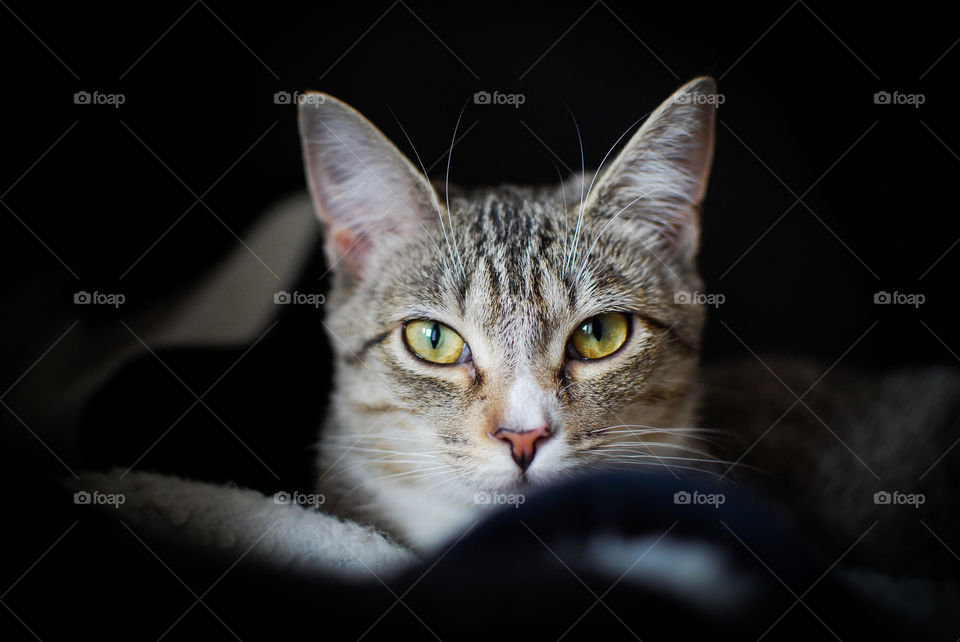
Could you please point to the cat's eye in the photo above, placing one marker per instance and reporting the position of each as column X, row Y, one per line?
column 600, row 336
column 434, row 342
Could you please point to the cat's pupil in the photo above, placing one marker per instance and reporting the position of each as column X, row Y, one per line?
column 435, row 335
column 597, row 328
column 593, row 326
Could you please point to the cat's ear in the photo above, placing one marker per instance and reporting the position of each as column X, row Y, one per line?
column 660, row 178
column 364, row 190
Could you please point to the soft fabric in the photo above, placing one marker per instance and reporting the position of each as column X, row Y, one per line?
column 230, row 521
column 615, row 555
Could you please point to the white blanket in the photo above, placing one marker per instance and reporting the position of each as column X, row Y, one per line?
column 218, row 519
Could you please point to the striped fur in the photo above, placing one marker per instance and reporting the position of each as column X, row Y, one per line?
column 514, row 270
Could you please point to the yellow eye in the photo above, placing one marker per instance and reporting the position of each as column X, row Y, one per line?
column 600, row 336
column 432, row 341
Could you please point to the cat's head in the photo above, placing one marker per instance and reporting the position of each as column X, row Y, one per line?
column 512, row 335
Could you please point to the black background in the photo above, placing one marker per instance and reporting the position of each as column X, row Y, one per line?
column 798, row 82
column 88, row 189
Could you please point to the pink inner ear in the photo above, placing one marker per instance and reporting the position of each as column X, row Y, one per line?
column 350, row 250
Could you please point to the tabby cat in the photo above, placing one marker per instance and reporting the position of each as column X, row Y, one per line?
column 495, row 340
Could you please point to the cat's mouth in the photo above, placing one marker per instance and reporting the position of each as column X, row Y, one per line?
column 527, row 480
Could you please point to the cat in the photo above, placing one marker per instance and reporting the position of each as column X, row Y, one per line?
column 491, row 341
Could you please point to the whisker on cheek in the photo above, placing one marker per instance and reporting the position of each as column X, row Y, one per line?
column 630, row 446
column 415, row 474
column 631, row 465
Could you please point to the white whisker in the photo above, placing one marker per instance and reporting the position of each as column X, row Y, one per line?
column 433, row 194
column 563, row 192
column 586, row 257
column 627, row 446
column 628, row 465
column 576, row 234
column 609, row 151
column 446, row 190
column 416, row 473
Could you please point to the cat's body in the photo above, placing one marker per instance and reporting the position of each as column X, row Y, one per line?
column 852, row 435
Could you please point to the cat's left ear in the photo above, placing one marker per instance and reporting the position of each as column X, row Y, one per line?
column 366, row 193
column 660, row 178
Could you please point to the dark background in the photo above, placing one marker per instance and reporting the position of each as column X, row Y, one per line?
column 87, row 190
column 798, row 81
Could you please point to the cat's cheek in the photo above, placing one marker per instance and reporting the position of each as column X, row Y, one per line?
column 460, row 375
column 470, row 369
column 583, row 372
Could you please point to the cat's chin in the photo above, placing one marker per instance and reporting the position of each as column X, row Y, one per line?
column 521, row 482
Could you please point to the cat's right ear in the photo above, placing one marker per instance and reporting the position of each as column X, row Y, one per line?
column 364, row 190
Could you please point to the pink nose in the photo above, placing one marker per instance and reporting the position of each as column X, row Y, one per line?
column 523, row 443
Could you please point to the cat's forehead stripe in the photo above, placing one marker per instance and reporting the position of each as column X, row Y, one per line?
column 511, row 233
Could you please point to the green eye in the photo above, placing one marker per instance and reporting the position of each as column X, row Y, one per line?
column 600, row 336
column 434, row 342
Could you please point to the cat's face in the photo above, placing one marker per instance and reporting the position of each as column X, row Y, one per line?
column 502, row 337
